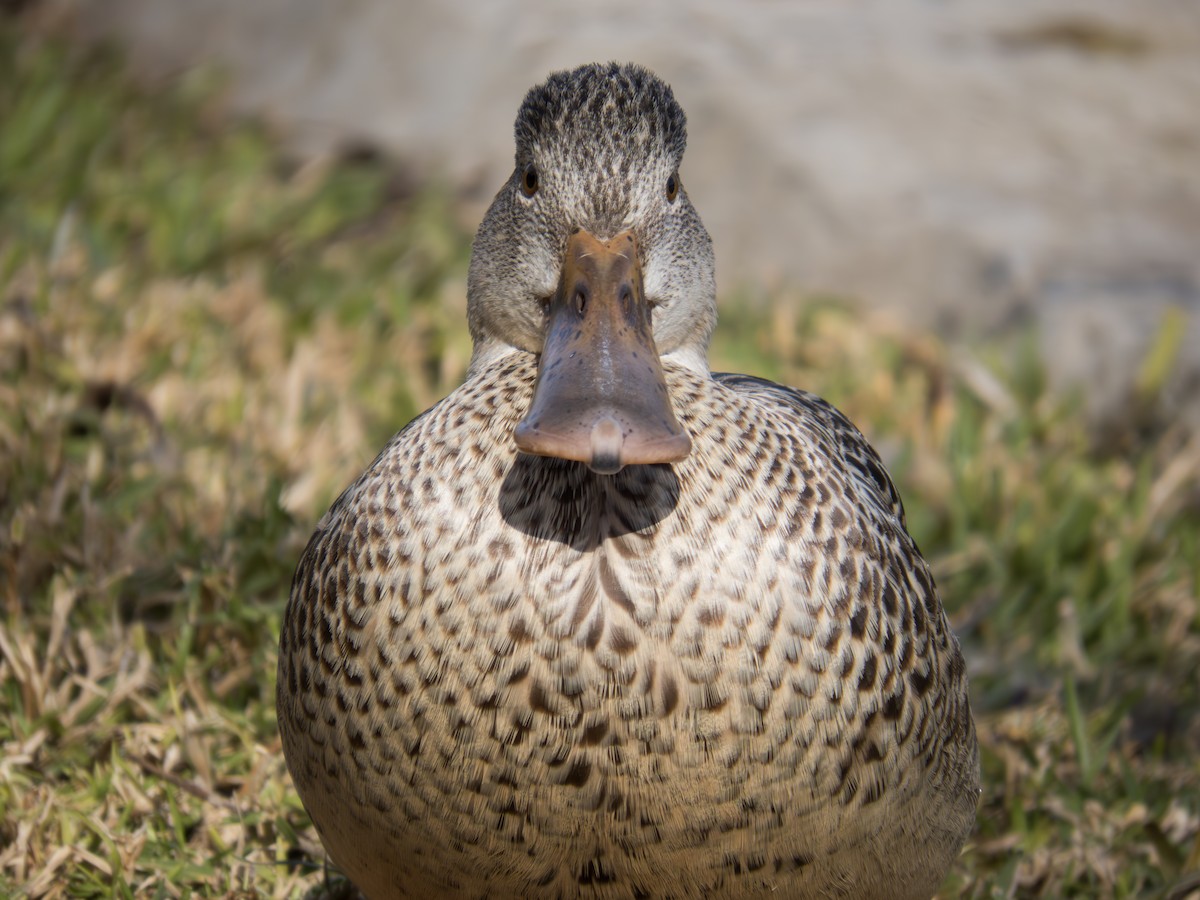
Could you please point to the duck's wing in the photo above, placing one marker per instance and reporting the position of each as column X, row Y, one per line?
column 855, row 449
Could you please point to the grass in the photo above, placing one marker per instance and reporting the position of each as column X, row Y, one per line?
column 201, row 344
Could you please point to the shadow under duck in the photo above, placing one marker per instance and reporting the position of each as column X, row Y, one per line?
column 602, row 623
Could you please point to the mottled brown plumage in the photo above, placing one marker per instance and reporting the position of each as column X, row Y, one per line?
column 505, row 675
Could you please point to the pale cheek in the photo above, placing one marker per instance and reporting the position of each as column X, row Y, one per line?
column 670, row 331
column 537, row 274
column 656, row 273
column 669, row 324
column 539, row 268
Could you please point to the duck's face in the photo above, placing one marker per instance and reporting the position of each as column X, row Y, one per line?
column 592, row 257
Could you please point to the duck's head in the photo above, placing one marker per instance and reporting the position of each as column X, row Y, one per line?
column 593, row 258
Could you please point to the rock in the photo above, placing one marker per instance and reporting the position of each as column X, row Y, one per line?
column 956, row 163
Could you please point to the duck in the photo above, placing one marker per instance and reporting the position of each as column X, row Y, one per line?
column 602, row 623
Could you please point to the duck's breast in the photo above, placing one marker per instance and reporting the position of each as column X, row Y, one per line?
column 734, row 669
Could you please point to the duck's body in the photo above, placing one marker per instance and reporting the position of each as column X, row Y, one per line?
column 510, row 675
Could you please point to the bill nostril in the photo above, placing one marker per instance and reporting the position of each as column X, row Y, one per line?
column 581, row 298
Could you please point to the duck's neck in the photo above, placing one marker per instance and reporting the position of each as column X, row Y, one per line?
column 694, row 359
column 488, row 353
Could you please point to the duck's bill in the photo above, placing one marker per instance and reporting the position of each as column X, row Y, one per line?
column 600, row 397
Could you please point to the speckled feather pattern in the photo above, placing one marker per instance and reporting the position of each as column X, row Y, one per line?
column 503, row 675
column 506, row 676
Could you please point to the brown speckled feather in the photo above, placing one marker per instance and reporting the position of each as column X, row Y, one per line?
column 512, row 677
column 504, row 675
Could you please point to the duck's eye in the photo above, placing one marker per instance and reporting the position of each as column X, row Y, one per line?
column 529, row 180
column 672, row 188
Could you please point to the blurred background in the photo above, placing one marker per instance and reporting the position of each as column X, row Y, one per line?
column 234, row 238
column 964, row 164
